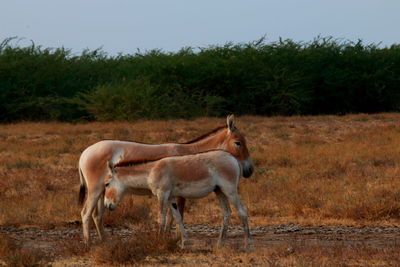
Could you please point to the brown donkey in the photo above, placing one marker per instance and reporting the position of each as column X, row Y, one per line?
column 189, row 176
column 93, row 164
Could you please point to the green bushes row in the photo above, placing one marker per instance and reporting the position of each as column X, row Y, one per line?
column 324, row 76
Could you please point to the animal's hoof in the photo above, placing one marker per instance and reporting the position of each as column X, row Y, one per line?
column 184, row 244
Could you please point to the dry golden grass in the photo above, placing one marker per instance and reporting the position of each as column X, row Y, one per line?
column 12, row 255
column 310, row 170
column 146, row 243
column 295, row 255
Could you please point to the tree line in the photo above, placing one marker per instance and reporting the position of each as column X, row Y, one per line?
column 323, row 76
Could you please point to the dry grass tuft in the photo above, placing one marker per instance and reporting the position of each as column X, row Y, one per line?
column 12, row 255
column 73, row 246
column 146, row 243
column 132, row 211
column 305, row 254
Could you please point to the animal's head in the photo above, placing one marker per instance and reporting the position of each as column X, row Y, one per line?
column 235, row 143
column 114, row 188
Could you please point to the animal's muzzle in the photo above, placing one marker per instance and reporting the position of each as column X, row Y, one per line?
column 247, row 172
column 109, row 206
column 248, row 168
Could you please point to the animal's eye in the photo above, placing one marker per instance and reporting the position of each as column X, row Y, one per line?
column 107, row 184
column 237, row 143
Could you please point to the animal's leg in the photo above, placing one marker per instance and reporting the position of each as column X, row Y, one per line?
column 163, row 205
column 226, row 210
column 87, row 210
column 235, row 200
column 181, row 205
column 170, row 219
column 98, row 216
column 179, row 221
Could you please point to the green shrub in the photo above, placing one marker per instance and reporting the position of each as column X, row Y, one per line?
column 324, row 76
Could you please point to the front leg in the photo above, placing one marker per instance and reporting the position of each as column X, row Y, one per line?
column 241, row 209
column 170, row 219
column 163, row 205
column 224, row 203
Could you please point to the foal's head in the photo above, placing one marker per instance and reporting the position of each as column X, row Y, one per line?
column 114, row 189
column 235, row 143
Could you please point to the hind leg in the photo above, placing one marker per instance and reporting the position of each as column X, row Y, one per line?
column 97, row 216
column 86, row 213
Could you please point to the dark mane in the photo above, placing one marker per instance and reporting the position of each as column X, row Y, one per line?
column 144, row 161
column 205, row 135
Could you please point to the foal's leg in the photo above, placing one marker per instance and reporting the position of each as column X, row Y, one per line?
column 170, row 219
column 223, row 201
column 97, row 216
column 181, row 206
column 179, row 221
column 235, row 200
column 163, row 205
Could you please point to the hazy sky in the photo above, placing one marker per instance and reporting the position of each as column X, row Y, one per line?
column 126, row 25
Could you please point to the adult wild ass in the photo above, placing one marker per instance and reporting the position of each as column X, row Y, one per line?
column 189, row 176
column 93, row 165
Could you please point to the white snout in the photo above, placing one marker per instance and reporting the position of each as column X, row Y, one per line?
column 109, row 204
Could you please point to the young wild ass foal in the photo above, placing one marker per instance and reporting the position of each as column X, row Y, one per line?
column 93, row 165
column 190, row 176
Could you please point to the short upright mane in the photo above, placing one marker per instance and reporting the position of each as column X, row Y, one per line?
column 206, row 135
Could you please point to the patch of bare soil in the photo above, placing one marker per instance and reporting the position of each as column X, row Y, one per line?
column 204, row 236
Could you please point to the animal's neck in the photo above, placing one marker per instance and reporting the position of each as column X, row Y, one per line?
column 208, row 143
column 136, row 176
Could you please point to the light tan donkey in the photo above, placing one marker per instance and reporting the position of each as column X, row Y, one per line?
column 93, row 165
column 190, row 176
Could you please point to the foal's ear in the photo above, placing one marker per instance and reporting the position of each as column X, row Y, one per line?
column 230, row 121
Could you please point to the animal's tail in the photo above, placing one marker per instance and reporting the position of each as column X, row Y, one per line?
column 82, row 189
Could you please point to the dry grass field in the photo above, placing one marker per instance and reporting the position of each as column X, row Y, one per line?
column 313, row 170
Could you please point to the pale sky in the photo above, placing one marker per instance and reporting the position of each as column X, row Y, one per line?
column 127, row 25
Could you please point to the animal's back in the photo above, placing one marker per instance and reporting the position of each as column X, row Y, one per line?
column 195, row 176
column 98, row 154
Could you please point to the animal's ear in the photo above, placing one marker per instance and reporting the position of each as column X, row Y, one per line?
column 230, row 121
